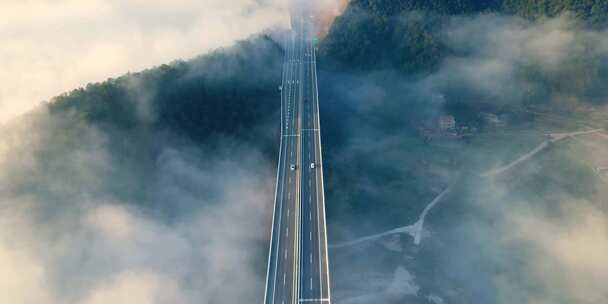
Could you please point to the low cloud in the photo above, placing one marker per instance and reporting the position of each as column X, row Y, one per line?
column 568, row 251
column 533, row 235
column 508, row 60
column 70, row 234
column 50, row 47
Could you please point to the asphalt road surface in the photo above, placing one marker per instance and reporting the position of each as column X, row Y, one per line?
column 298, row 270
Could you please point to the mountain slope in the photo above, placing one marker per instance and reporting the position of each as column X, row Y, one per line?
column 213, row 95
column 407, row 34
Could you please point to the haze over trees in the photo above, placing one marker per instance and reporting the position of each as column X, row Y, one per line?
column 408, row 34
column 192, row 134
column 221, row 94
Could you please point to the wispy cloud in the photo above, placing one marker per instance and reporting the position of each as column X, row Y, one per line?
column 78, row 227
column 529, row 235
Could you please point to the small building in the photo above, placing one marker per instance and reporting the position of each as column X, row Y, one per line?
column 447, row 122
column 494, row 120
column 442, row 127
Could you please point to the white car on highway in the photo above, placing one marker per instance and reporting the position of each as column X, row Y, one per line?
column 312, row 165
column 292, row 167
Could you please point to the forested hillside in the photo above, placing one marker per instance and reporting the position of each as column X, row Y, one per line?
column 193, row 146
column 406, row 34
column 221, row 94
column 594, row 12
column 222, row 105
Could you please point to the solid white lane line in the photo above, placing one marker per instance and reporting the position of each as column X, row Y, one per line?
column 287, row 233
column 284, row 277
column 310, row 283
column 288, row 71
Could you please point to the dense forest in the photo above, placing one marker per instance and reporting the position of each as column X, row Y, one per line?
column 232, row 93
column 229, row 93
column 406, row 34
column 227, row 90
column 593, row 12
column 208, row 97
